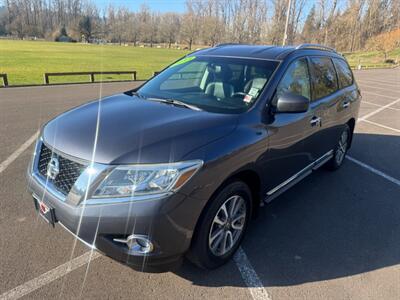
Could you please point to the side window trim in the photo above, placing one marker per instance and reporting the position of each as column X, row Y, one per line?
column 338, row 84
column 312, row 71
column 351, row 71
column 337, row 72
column 310, row 81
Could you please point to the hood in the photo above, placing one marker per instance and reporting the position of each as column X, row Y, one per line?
column 125, row 129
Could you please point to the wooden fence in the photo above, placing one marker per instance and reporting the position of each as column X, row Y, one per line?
column 91, row 74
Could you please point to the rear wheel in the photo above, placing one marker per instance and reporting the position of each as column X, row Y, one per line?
column 222, row 226
column 340, row 150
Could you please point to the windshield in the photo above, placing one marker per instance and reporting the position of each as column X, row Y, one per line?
column 214, row 84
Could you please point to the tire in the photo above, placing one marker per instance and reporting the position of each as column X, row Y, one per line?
column 213, row 226
column 340, row 151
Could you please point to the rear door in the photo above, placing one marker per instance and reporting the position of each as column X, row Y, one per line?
column 324, row 130
column 348, row 90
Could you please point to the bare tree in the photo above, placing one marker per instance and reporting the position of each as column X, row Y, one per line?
column 190, row 23
column 170, row 25
column 327, row 14
column 213, row 26
column 310, row 30
column 344, row 24
column 296, row 13
column 278, row 21
column 133, row 28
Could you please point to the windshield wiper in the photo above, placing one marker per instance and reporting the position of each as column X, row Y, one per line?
column 175, row 102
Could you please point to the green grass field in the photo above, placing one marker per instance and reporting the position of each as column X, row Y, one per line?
column 25, row 62
column 371, row 59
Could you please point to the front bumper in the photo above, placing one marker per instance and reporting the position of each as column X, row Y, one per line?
column 97, row 224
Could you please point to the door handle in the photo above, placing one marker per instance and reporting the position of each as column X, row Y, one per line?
column 346, row 104
column 315, row 121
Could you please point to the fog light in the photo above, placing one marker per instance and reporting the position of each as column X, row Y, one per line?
column 144, row 244
column 137, row 244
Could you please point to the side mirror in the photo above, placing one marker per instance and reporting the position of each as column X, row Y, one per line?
column 292, row 103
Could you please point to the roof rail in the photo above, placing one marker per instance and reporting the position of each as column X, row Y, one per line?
column 227, row 44
column 315, row 46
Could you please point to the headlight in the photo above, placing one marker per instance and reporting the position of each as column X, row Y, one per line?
column 142, row 180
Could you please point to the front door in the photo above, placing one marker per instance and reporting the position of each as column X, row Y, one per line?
column 286, row 155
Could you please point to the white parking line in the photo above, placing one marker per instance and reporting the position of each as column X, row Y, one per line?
column 18, row 152
column 379, row 110
column 379, row 81
column 373, row 170
column 249, row 276
column 369, row 81
column 369, row 85
column 380, row 125
column 48, row 277
column 376, row 94
column 371, row 103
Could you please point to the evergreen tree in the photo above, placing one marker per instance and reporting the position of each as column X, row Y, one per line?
column 310, row 28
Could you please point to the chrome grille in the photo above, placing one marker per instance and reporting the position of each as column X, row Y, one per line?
column 68, row 173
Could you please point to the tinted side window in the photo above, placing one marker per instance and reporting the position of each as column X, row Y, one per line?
column 296, row 80
column 324, row 77
column 344, row 73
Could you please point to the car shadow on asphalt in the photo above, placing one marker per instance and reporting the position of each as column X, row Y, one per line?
column 331, row 225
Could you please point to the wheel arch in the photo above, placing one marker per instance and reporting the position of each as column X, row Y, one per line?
column 253, row 181
column 351, row 123
column 248, row 176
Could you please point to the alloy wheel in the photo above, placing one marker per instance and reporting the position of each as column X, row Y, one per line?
column 227, row 226
column 342, row 147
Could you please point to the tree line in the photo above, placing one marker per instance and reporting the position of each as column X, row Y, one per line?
column 347, row 25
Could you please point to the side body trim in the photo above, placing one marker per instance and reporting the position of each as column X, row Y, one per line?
column 279, row 189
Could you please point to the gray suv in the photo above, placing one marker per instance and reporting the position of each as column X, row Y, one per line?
column 177, row 167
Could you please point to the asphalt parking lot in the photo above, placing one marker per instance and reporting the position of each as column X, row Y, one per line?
column 333, row 236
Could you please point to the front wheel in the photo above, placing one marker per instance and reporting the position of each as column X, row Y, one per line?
column 340, row 150
column 222, row 226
